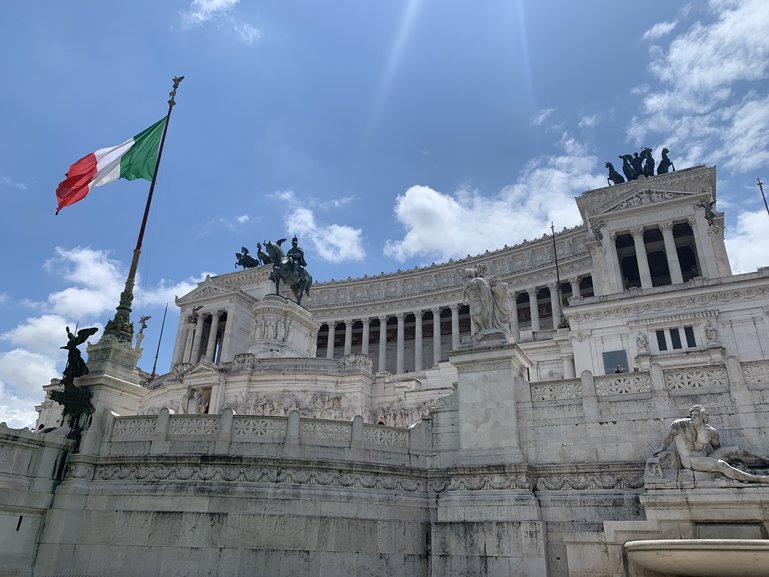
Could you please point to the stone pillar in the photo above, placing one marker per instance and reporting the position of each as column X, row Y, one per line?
column 364, row 338
column 515, row 329
column 642, row 259
column 211, row 345
column 436, row 335
column 331, row 336
column 226, row 337
column 181, row 342
column 569, row 371
column 189, row 334
column 575, row 290
column 382, row 344
column 195, row 356
column 555, row 303
column 348, row 337
column 671, row 252
column 699, row 246
column 417, row 341
column 399, row 346
column 455, row 326
column 533, row 309
column 613, row 270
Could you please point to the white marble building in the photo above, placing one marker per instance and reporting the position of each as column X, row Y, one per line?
column 259, row 452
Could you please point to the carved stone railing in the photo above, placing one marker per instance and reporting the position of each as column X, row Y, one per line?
column 133, row 428
column 385, row 436
column 556, row 390
column 232, row 434
column 622, row 384
column 194, row 425
column 266, row 428
column 756, row 374
column 696, row 380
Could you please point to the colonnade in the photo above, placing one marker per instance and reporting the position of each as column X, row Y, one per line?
column 197, row 342
column 666, row 229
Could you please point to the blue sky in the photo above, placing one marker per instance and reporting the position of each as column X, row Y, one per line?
column 387, row 134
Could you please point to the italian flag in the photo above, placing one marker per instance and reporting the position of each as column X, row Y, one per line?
column 134, row 158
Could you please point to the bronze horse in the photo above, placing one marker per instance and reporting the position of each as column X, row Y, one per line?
column 296, row 277
column 614, row 176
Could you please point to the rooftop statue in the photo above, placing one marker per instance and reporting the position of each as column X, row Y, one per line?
column 665, row 164
column 614, row 176
column 76, row 401
column 648, row 165
column 710, row 214
column 698, row 446
column 627, row 167
column 245, row 259
column 489, row 300
column 289, row 268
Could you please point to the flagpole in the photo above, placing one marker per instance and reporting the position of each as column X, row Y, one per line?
column 121, row 327
column 160, row 339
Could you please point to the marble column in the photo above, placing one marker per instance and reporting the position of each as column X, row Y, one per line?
column 555, row 303
column 515, row 329
column 382, row 344
column 436, row 335
column 195, row 356
column 533, row 309
column 347, row 337
column 642, row 259
column 575, row 290
column 569, row 371
column 674, row 265
column 455, row 327
column 188, row 342
column 417, row 341
column 211, row 345
column 364, row 338
column 224, row 352
column 699, row 245
column 400, row 344
column 613, row 269
column 331, row 337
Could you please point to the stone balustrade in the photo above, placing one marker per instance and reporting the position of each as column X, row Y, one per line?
column 231, row 434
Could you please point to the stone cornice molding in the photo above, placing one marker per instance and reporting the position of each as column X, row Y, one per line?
column 695, row 297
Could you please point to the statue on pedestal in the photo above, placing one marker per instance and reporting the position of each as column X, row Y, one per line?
column 76, row 401
column 289, row 268
column 489, row 300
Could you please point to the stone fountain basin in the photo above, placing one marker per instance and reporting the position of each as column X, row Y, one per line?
column 702, row 557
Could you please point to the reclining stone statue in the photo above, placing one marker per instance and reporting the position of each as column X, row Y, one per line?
column 698, row 447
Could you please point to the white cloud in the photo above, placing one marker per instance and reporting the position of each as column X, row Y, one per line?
column 331, row 242
column 201, row 11
column 17, row 412
column 659, row 30
column 165, row 292
column 588, row 121
column 443, row 226
column 747, row 246
column 247, row 33
column 543, row 115
column 220, row 12
column 43, row 334
column 7, row 181
column 25, row 372
column 696, row 111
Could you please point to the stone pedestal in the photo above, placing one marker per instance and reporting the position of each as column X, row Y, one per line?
column 491, row 379
column 282, row 328
column 113, row 377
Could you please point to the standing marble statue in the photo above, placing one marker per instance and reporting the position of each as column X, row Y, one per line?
column 489, row 300
column 699, row 448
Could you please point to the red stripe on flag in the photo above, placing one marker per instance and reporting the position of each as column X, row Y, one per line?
column 75, row 187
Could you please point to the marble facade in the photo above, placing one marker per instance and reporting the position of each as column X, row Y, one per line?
column 259, row 452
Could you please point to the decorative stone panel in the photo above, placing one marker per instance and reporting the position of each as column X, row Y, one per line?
column 694, row 380
column 325, row 431
column 259, row 427
column 756, row 373
column 556, row 390
column 623, row 384
column 378, row 435
column 194, row 425
column 128, row 428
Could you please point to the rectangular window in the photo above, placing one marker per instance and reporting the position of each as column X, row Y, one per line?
column 661, row 343
column 613, row 360
column 689, row 332
column 675, row 338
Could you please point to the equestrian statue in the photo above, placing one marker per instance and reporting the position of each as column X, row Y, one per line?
column 289, row 268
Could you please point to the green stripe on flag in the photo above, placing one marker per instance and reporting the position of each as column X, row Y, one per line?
column 141, row 158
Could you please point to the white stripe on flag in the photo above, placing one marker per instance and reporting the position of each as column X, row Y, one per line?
column 108, row 163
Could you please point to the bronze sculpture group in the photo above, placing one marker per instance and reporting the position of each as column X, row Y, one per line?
column 288, row 267
column 638, row 164
column 75, row 400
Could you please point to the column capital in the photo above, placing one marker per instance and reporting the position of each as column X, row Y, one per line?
column 532, row 291
column 418, row 313
column 365, row 320
column 400, row 316
column 665, row 226
column 435, row 310
column 552, row 285
column 382, row 318
column 455, row 307
column 637, row 231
